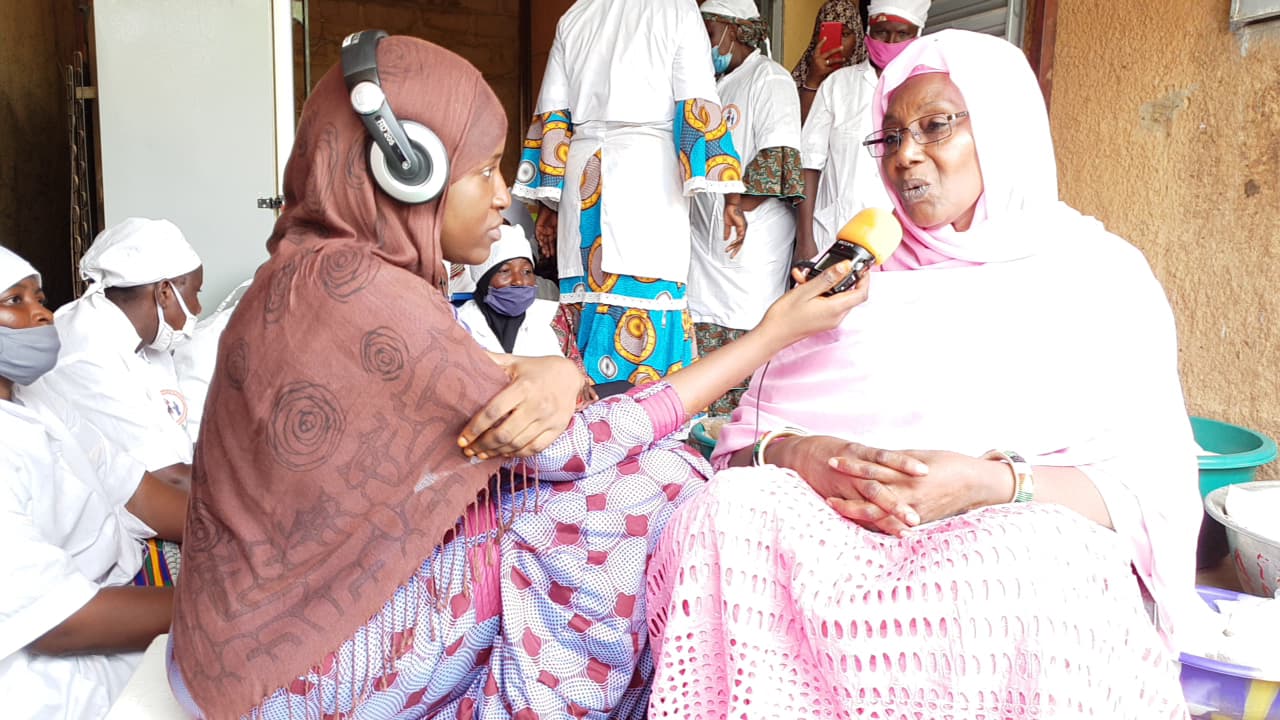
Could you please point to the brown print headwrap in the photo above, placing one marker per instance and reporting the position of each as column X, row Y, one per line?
column 327, row 469
column 751, row 31
column 841, row 11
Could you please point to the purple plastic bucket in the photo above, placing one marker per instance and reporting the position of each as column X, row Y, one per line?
column 1218, row 690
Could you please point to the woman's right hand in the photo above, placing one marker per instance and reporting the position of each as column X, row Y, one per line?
column 822, row 63
column 529, row 413
column 841, row 471
column 801, row 312
column 804, row 310
column 545, row 230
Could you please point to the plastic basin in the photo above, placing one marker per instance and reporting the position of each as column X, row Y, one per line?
column 701, row 440
column 1217, row 690
column 1240, row 452
column 1256, row 558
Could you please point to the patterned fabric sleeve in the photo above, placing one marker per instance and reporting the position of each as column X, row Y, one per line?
column 567, row 334
column 540, row 174
column 704, row 146
column 775, row 172
column 607, row 433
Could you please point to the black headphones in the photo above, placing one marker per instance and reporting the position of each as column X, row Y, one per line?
column 407, row 160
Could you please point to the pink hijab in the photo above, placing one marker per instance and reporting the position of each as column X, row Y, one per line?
column 1036, row 331
column 1011, row 130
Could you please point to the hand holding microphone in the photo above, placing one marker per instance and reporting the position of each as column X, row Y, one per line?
column 868, row 239
column 821, row 299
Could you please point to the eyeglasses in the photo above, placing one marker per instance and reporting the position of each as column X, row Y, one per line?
column 926, row 131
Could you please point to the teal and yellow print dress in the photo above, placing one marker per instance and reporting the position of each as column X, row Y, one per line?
column 623, row 253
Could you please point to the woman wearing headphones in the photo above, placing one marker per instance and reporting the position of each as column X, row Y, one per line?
column 360, row 542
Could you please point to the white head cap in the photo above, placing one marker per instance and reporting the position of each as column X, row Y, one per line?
column 512, row 245
column 13, row 269
column 743, row 9
column 136, row 252
column 915, row 12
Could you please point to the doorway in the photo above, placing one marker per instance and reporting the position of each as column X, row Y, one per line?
column 494, row 37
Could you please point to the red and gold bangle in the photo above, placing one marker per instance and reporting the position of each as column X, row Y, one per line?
column 1024, row 482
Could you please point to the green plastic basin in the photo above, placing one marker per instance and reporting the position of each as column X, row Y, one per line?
column 1240, row 452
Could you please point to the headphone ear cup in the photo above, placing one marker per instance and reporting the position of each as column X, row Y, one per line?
column 427, row 144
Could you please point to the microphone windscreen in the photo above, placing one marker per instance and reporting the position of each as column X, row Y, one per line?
column 876, row 230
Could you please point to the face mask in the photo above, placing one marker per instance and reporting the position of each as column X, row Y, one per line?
column 27, row 354
column 166, row 337
column 883, row 53
column 720, row 61
column 512, row 300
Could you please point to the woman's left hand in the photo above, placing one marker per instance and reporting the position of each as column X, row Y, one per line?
column 955, row 483
column 588, row 394
column 529, row 413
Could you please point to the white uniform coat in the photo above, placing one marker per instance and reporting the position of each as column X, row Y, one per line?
column 132, row 397
column 65, row 534
column 760, row 98
column 838, row 122
column 618, row 67
column 536, row 337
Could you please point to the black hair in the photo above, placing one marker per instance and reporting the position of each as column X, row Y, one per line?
column 128, row 294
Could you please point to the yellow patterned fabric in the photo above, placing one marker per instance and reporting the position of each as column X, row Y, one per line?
column 704, row 146
column 544, row 155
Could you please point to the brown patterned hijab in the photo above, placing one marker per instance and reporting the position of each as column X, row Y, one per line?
column 841, row 11
column 327, row 468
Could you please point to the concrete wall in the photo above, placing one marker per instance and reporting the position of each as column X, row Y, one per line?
column 35, row 162
column 1167, row 127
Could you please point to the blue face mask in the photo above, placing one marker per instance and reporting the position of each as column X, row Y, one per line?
column 512, row 300
column 27, row 354
column 720, row 61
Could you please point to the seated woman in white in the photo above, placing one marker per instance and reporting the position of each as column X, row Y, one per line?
column 195, row 361
column 116, row 368
column 71, row 626
column 505, row 314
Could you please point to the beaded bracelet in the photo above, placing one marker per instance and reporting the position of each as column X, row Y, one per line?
column 757, row 455
column 1024, row 483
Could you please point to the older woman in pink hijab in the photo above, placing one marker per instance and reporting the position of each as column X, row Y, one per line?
column 1052, row 576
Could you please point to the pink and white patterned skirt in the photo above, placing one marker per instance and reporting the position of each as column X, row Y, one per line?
column 765, row 603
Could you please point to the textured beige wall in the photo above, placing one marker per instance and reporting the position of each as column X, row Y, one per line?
column 797, row 28
column 1167, row 127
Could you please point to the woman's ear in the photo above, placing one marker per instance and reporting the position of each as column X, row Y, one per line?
column 164, row 293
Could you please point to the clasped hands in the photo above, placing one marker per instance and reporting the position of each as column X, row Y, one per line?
column 886, row 490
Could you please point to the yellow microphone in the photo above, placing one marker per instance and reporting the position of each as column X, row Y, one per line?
column 868, row 239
